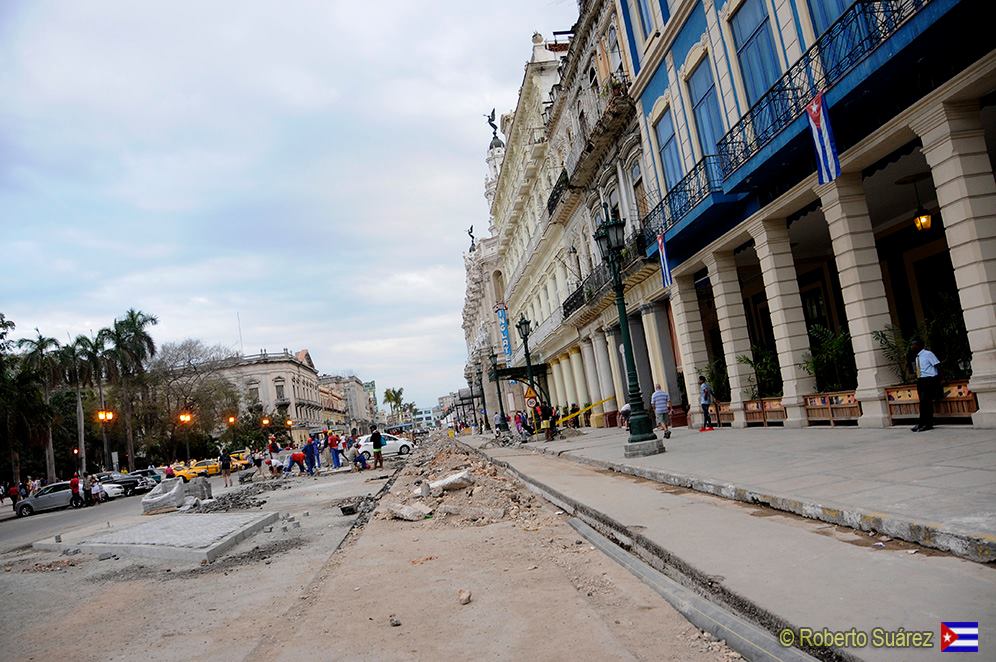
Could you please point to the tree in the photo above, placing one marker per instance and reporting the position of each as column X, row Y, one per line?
column 95, row 359
column 130, row 346
column 42, row 361
column 394, row 398
column 73, row 365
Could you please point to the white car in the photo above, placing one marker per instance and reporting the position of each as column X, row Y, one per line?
column 113, row 490
column 392, row 445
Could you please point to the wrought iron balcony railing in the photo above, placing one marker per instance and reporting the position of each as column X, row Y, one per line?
column 592, row 106
column 597, row 282
column 862, row 28
column 702, row 180
column 557, row 192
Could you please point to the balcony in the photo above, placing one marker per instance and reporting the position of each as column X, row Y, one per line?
column 596, row 288
column 705, row 179
column 601, row 116
column 557, row 192
column 846, row 44
column 538, row 335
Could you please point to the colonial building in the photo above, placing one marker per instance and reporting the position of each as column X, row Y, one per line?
column 796, row 299
column 359, row 410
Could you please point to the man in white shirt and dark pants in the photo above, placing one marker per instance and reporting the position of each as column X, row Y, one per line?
column 928, row 384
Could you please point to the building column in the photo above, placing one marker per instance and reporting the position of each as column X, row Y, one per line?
column 667, row 349
column 725, row 283
column 954, row 145
column 652, row 336
column 781, row 286
column 641, row 359
column 570, row 384
column 691, row 338
column 863, row 290
column 558, row 384
column 604, row 372
column 561, row 280
column 544, row 302
column 580, row 379
column 591, row 373
column 612, row 348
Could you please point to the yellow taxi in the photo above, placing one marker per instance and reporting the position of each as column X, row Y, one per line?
column 201, row 468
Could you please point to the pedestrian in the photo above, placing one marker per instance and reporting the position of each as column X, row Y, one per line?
column 377, row 442
column 95, row 489
column 357, row 461
column 309, row 455
column 296, row 457
column 225, row 460
column 575, row 411
column 14, row 493
column 705, row 400
column 257, row 461
column 928, row 383
column 662, row 408
column 334, row 450
column 74, row 487
column 546, row 421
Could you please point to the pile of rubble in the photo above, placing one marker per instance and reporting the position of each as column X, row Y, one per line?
column 242, row 499
column 446, row 483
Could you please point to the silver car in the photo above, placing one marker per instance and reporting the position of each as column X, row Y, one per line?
column 50, row 497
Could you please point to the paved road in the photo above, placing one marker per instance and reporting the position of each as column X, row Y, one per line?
column 23, row 531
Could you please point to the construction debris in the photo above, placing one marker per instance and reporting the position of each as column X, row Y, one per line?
column 464, row 597
column 413, row 513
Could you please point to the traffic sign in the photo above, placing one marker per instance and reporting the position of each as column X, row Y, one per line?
column 530, row 402
column 530, row 393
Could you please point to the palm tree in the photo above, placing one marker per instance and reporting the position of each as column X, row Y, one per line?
column 42, row 361
column 74, row 368
column 8, row 393
column 95, row 362
column 130, row 346
column 394, row 398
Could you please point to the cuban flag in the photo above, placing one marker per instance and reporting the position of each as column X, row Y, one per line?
column 826, row 149
column 665, row 269
column 960, row 637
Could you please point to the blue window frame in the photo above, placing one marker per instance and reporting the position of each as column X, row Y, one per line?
column 705, row 107
column 755, row 49
column 646, row 19
column 668, row 145
column 825, row 12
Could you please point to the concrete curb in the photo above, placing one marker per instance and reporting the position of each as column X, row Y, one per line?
column 975, row 547
column 663, row 561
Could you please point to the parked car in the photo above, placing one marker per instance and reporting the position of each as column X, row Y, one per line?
column 392, row 445
column 151, row 474
column 50, row 497
column 113, row 490
column 130, row 483
column 201, row 468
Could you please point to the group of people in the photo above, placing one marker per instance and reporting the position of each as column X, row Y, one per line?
column 86, row 491
column 330, row 448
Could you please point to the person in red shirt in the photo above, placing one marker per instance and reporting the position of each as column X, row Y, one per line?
column 74, row 486
column 297, row 457
column 14, row 494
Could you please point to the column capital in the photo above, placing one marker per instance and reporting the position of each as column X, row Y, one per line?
column 575, row 349
column 761, row 229
column 941, row 114
column 846, row 184
column 648, row 308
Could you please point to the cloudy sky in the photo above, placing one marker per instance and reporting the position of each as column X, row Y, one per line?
column 311, row 165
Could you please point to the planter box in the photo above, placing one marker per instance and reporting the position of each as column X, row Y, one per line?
column 958, row 401
column 721, row 414
column 832, row 408
column 765, row 411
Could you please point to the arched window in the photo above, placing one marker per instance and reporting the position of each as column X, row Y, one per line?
column 615, row 56
column 639, row 189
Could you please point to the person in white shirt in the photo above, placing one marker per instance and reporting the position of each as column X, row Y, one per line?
column 928, row 383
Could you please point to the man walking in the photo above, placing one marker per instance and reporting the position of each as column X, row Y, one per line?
column 662, row 407
column 928, row 383
column 76, row 500
column 705, row 399
column 225, row 460
column 377, row 443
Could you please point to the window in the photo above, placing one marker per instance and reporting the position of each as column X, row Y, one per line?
column 280, row 391
column 639, row 192
column 705, row 107
column 646, row 20
column 668, row 146
column 755, row 49
column 825, row 12
column 615, row 56
column 253, row 394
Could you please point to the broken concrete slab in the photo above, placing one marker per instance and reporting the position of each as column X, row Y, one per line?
column 457, row 481
column 412, row 513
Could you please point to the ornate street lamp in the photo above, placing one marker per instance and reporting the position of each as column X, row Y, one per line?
column 185, row 419
column 484, row 406
column 611, row 239
column 105, row 416
column 501, row 405
column 523, row 327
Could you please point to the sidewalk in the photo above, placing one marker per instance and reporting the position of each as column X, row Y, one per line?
column 936, row 489
column 780, row 571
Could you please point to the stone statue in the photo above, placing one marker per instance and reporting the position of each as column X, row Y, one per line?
column 470, row 232
column 491, row 123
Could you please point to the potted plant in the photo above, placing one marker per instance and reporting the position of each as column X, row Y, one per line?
column 764, row 386
column 715, row 374
column 831, row 363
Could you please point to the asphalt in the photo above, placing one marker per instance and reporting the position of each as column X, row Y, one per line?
column 935, row 489
column 776, row 570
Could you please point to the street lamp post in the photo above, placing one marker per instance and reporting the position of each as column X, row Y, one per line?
column 501, row 405
column 105, row 416
column 642, row 441
column 484, row 403
column 185, row 419
column 473, row 404
column 231, row 424
column 523, row 326
column 290, row 431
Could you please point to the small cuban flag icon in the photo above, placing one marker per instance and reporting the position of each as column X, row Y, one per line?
column 960, row 637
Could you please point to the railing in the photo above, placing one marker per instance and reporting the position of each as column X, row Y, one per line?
column 589, row 109
column 705, row 178
column 862, row 28
column 520, row 268
column 557, row 192
column 595, row 283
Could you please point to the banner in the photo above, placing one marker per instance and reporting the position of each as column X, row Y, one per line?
column 506, row 343
column 665, row 269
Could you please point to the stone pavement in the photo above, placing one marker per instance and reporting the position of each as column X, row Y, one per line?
column 776, row 570
column 937, row 489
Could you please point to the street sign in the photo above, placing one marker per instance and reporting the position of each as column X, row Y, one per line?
column 530, row 402
column 530, row 393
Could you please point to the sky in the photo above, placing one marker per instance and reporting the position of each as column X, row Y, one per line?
column 311, row 166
